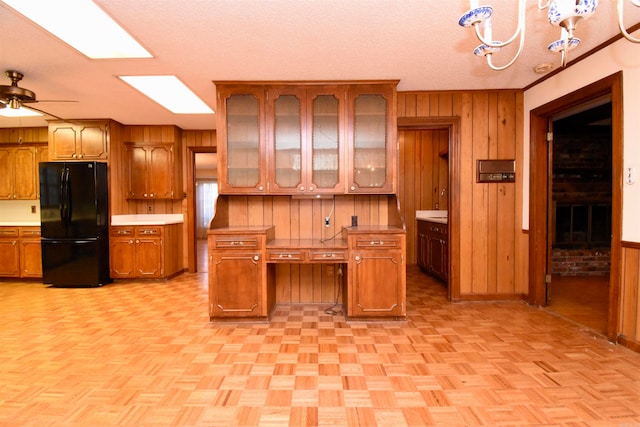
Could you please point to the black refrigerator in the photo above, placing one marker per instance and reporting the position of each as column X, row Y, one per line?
column 74, row 216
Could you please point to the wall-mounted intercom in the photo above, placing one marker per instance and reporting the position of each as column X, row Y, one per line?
column 496, row 171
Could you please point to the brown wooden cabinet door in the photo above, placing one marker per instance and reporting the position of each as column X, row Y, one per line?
column 25, row 187
column 30, row 258
column 241, row 135
column 148, row 257
column 236, row 284
column 7, row 180
column 372, row 139
column 435, row 249
column 63, row 140
column 121, row 257
column 160, row 166
column 377, row 285
column 423, row 250
column 136, row 172
column 9, row 257
column 93, row 142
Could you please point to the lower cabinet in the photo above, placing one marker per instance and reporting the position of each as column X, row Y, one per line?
column 377, row 275
column 433, row 248
column 238, row 274
column 20, row 252
column 145, row 252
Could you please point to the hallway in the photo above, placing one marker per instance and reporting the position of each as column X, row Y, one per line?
column 145, row 353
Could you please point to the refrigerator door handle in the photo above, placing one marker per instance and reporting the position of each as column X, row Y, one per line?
column 68, row 195
column 63, row 199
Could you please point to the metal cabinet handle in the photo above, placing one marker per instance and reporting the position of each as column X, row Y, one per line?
column 328, row 255
column 236, row 243
column 285, row 256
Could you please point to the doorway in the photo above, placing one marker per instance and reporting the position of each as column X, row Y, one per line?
column 201, row 196
column 540, row 218
column 580, row 212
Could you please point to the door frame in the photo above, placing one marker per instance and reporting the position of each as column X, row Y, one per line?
column 540, row 179
column 192, row 250
column 452, row 123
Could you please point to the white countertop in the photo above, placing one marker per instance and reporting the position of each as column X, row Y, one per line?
column 19, row 224
column 433, row 216
column 147, row 219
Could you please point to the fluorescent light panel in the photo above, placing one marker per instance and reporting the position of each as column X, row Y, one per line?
column 83, row 25
column 169, row 92
column 18, row 112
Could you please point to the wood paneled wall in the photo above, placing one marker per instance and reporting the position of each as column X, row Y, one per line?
column 424, row 177
column 492, row 258
column 27, row 134
column 629, row 326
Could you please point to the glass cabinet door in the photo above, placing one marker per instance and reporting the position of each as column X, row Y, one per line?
column 287, row 156
column 241, row 163
column 371, row 168
column 326, row 112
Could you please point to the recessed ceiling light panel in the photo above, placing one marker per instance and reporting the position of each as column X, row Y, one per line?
column 169, row 92
column 82, row 25
column 18, row 112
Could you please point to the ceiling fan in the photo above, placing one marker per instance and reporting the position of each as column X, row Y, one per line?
column 14, row 96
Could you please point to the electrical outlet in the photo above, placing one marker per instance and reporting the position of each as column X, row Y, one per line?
column 33, row 208
column 354, row 220
column 149, row 208
column 327, row 221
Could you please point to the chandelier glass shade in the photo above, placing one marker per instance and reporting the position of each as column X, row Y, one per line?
column 566, row 14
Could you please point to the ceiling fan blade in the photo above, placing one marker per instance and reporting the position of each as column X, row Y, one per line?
column 43, row 112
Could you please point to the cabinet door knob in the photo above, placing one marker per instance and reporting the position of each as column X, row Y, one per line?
column 311, row 188
column 357, row 258
column 353, row 188
column 145, row 194
column 302, row 188
column 260, row 188
column 256, row 257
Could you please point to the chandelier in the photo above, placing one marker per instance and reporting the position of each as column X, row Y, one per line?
column 566, row 14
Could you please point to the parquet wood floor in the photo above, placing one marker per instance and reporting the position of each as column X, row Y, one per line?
column 583, row 299
column 145, row 354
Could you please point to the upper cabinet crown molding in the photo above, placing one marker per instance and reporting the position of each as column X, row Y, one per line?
column 307, row 138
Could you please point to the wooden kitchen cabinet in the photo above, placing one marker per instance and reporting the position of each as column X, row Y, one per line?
column 9, row 252
column 377, row 273
column 372, row 139
column 241, row 135
column 433, row 248
column 151, row 171
column 19, row 179
column 139, row 252
column 306, row 138
column 82, row 140
column 239, row 281
column 20, row 253
column 30, row 252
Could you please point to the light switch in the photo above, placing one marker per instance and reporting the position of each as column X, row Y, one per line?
column 630, row 175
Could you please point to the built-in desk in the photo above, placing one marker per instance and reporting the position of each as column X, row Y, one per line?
column 242, row 269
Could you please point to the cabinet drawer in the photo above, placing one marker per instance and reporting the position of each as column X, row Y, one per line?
column 237, row 242
column 328, row 255
column 30, row 232
column 144, row 231
column 277, row 255
column 121, row 231
column 438, row 228
column 377, row 242
column 9, row 232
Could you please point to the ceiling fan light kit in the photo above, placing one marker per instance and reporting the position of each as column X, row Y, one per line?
column 566, row 14
column 13, row 96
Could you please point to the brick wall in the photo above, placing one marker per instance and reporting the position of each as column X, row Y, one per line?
column 581, row 262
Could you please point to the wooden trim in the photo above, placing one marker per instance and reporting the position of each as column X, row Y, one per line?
column 538, row 191
column 629, row 343
column 585, row 55
column 630, row 245
column 453, row 124
column 492, row 297
column 302, row 82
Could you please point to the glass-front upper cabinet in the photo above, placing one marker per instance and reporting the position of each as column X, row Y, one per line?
column 286, row 155
column 326, row 115
column 306, row 140
column 372, row 141
column 241, row 136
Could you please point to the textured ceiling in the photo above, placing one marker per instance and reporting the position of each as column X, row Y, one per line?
column 416, row 41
